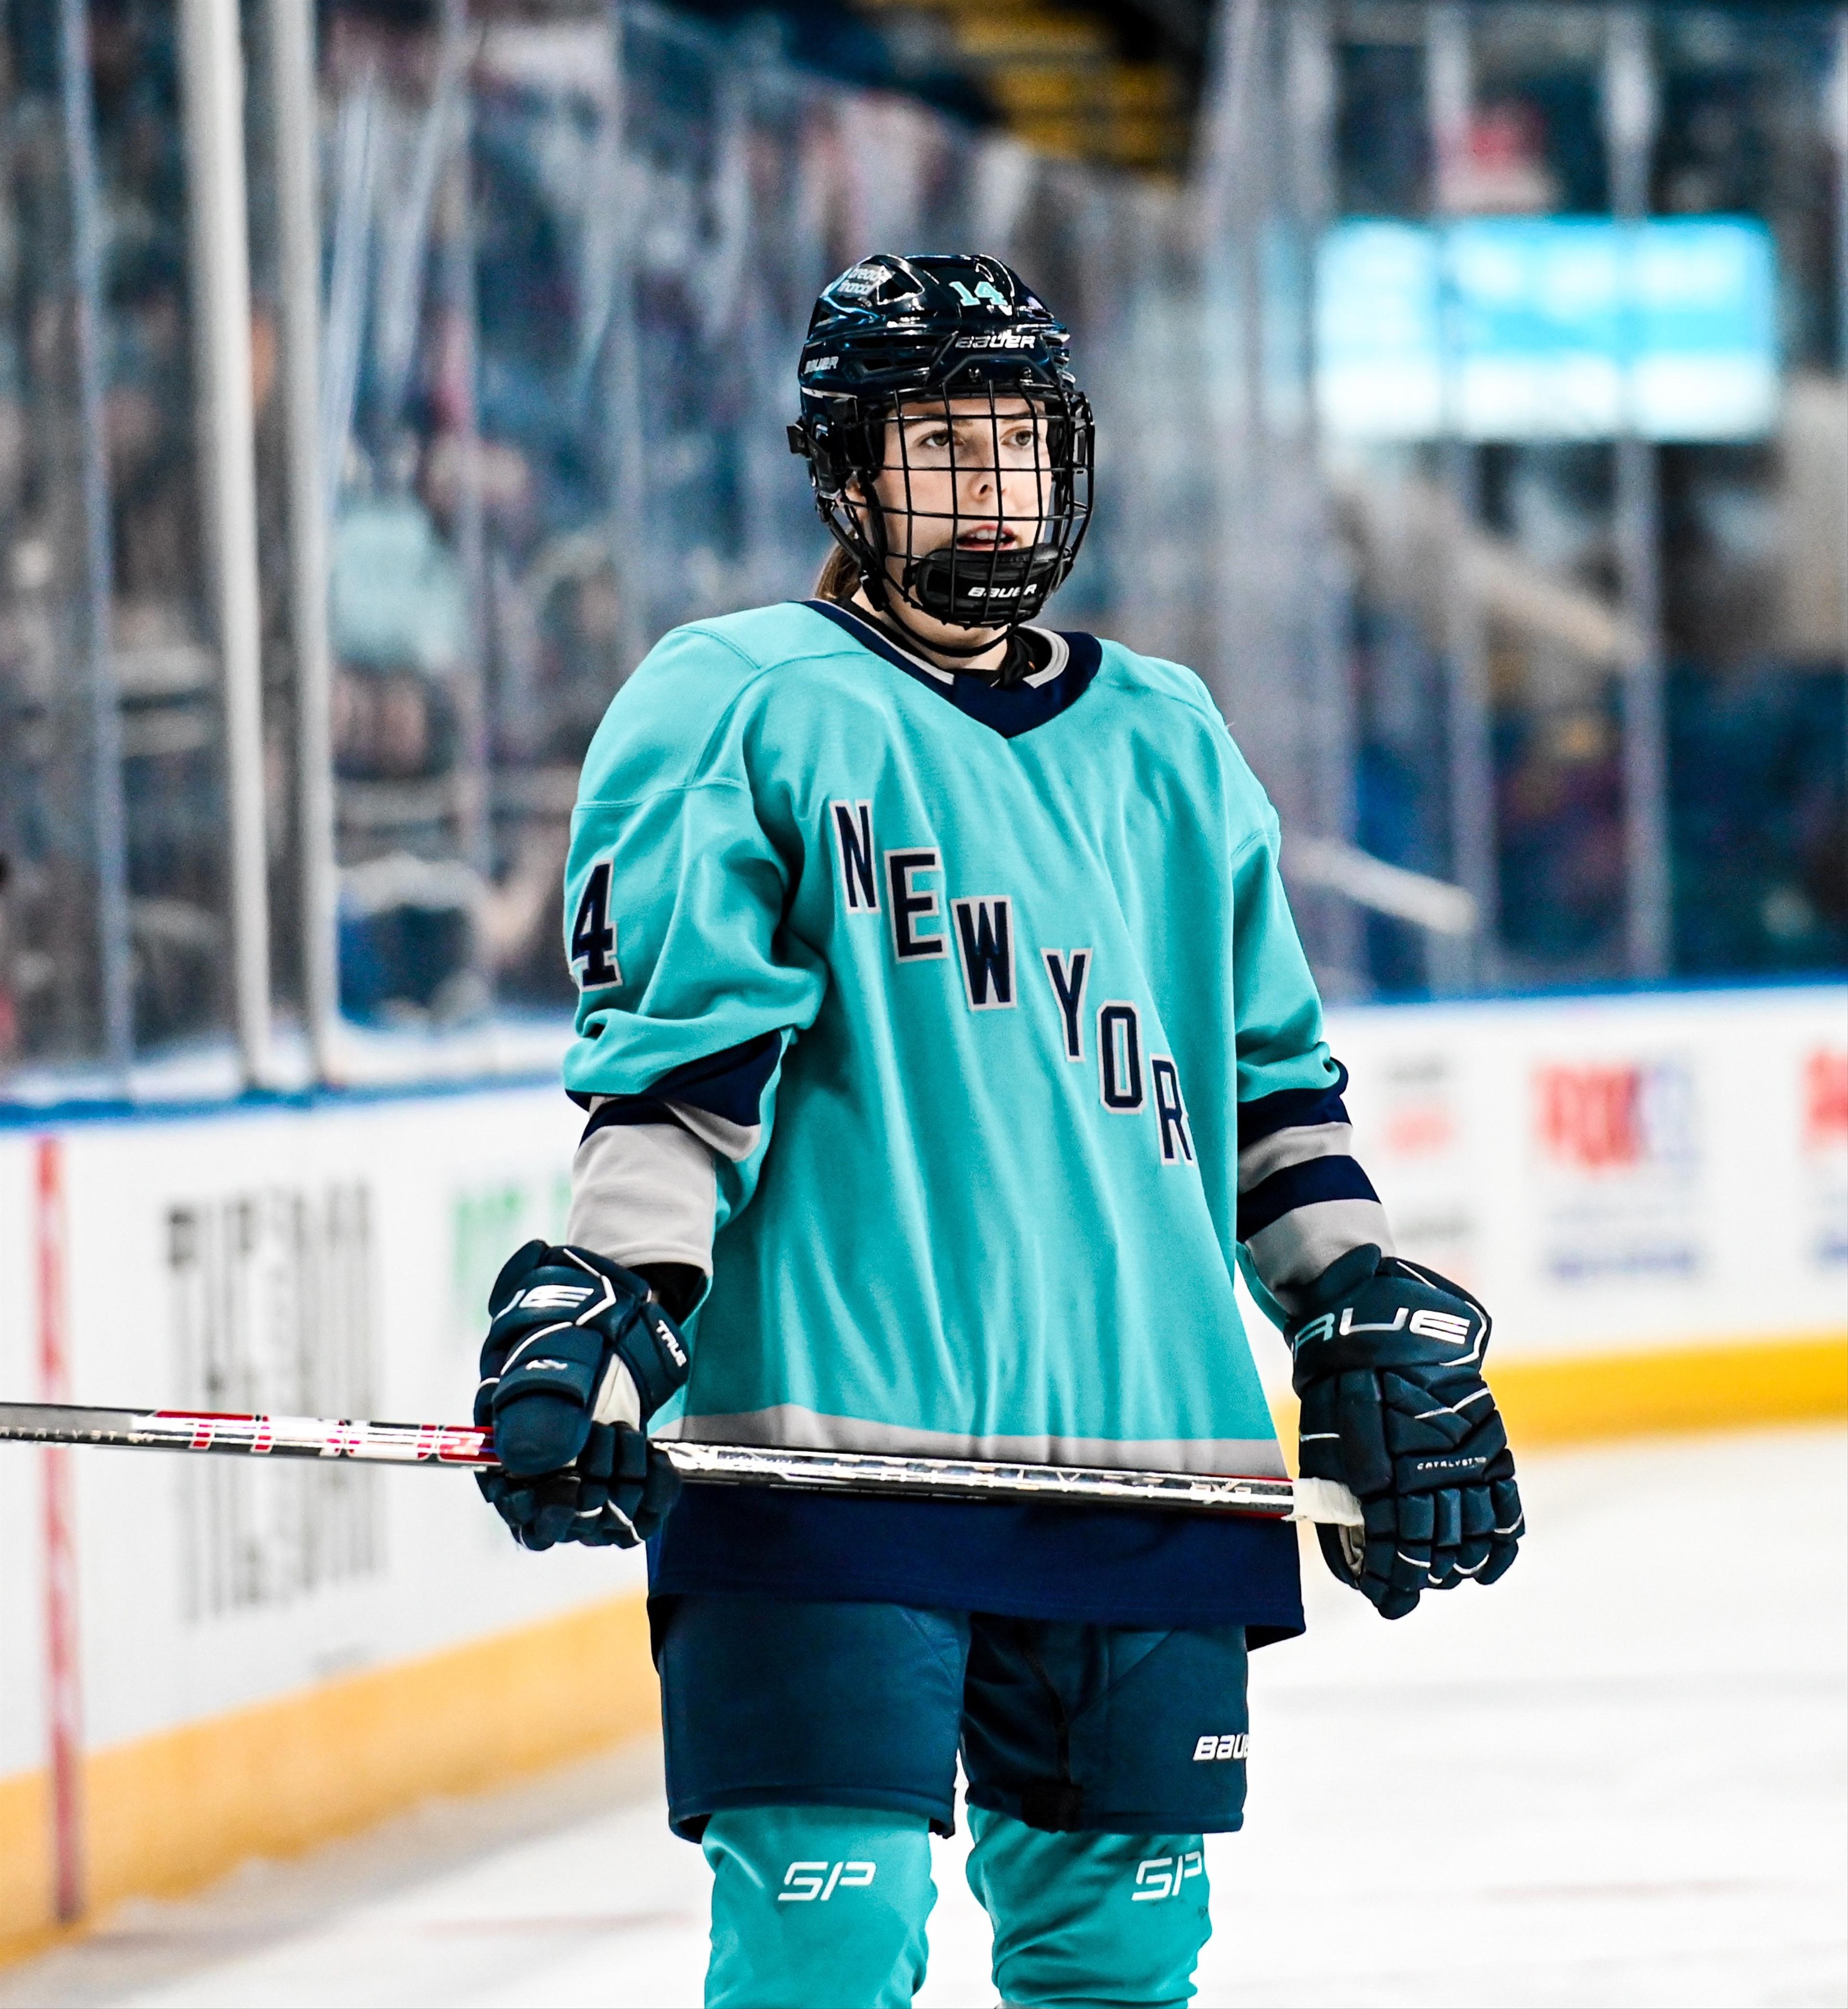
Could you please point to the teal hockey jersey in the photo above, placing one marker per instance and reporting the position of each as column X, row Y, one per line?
column 978, row 1005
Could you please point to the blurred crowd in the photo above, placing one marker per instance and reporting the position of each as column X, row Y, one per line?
column 164, row 668
column 554, row 370
column 1754, row 546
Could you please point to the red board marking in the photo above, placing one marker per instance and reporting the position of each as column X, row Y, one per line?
column 1825, row 1100
column 64, row 1668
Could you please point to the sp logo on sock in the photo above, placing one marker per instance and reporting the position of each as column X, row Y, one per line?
column 804, row 1884
column 1162, row 1875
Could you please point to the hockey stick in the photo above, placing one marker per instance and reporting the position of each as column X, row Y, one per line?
column 869, row 1473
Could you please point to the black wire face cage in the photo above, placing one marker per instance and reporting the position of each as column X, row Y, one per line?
column 970, row 503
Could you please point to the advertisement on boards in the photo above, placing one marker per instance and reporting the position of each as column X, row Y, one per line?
column 1617, row 1147
column 1824, row 1173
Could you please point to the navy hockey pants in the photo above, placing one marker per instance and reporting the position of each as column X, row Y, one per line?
column 813, row 1747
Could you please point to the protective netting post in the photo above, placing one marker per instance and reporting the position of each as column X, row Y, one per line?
column 109, row 835
column 1629, row 107
column 212, row 62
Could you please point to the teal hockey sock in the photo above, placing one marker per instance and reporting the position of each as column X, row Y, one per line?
column 1083, row 1921
column 823, row 1907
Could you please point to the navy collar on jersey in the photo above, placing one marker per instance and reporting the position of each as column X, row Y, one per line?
column 1019, row 707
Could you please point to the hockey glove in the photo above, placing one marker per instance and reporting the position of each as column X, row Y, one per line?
column 1387, row 1362
column 577, row 1359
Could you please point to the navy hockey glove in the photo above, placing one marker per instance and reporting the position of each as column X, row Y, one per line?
column 577, row 1359
column 1388, row 1361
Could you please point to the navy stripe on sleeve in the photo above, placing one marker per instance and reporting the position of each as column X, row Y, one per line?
column 1315, row 1180
column 1292, row 1108
column 618, row 1110
column 728, row 1084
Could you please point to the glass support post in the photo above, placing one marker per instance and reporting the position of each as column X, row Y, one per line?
column 1838, row 127
column 473, row 807
column 1322, row 600
column 298, row 203
column 1449, row 91
column 1231, row 357
column 211, row 62
column 108, row 834
column 624, row 420
column 1629, row 111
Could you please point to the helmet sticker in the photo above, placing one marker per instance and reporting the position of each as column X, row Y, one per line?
column 984, row 295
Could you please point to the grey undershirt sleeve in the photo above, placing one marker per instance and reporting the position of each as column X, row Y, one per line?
column 644, row 1192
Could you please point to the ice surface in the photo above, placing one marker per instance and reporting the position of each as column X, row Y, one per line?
column 1620, row 1776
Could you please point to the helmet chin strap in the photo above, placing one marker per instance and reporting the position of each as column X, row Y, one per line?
column 878, row 582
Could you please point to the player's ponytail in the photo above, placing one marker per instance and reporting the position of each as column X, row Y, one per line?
column 839, row 579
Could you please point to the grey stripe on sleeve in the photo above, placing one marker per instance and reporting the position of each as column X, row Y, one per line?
column 1295, row 1248
column 735, row 1141
column 1294, row 1146
column 644, row 1192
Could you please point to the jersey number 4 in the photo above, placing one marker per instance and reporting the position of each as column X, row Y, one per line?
column 594, row 933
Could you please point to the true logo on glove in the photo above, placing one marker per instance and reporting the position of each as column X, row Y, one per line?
column 1319, row 1328
column 663, row 1328
column 1436, row 1325
column 1424, row 1324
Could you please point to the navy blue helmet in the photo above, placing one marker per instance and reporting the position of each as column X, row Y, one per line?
column 966, row 334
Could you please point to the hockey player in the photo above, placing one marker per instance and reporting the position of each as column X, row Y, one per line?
column 946, row 1041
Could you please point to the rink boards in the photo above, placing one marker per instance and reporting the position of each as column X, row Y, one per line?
column 1650, row 1192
